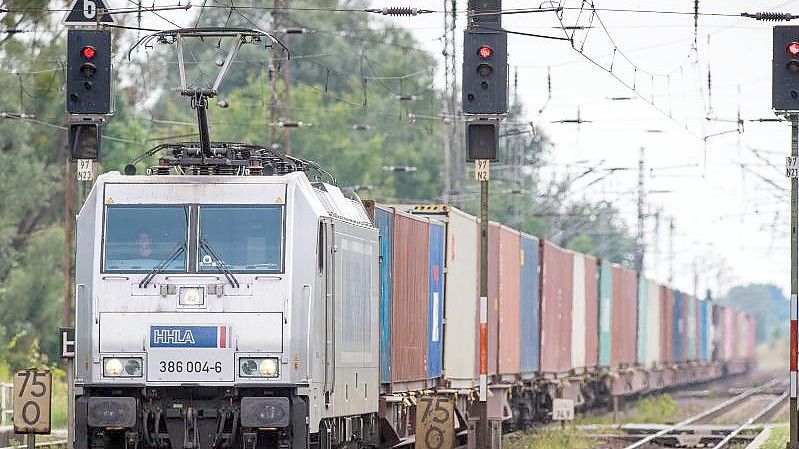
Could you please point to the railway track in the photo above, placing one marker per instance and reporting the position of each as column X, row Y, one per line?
column 698, row 430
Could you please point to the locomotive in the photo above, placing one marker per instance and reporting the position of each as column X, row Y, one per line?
column 225, row 311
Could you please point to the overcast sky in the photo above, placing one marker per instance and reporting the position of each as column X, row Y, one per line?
column 723, row 213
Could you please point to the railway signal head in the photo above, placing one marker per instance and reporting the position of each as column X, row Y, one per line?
column 785, row 69
column 84, row 141
column 485, row 72
column 88, row 72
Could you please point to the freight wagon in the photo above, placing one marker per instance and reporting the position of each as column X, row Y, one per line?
column 560, row 324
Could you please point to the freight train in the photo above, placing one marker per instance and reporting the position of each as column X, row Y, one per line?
column 232, row 301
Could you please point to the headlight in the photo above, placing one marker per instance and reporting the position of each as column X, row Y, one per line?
column 259, row 367
column 116, row 367
column 191, row 296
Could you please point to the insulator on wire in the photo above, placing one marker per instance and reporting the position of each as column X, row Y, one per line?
column 399, row 11
column 771, row 16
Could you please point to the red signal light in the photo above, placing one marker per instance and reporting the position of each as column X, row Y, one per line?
column 88, row 52
column 485, row 51
column 793, row 49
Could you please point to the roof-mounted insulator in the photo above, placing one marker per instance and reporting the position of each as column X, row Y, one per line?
column 771, row 16
column 399, row 11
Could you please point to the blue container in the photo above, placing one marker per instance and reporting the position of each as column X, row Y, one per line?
column 529, row 304
column 704, row 329
column 435, row 315
column 384, row 220
column 678, row 328
column 642, row 315
column 605, row 312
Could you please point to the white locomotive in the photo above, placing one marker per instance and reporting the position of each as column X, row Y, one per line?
column 225, row 311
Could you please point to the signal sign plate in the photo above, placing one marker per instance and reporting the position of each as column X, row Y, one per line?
column 85, row 170
column 84, row 12
column 562, row 410
column 32, row 398
column 435, row 424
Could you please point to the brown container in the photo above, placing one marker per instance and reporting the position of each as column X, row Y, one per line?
column 493, row 298
column 557, row 283
column 509, row 301
column 666, row 323
column 591, row 312
column 624, row 319
column 409, row 299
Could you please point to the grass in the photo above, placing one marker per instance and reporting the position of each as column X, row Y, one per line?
column 777, row 439
column 660, row 409
column 554, row 438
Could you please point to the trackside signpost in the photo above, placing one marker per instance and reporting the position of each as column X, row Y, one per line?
column 32, row 400
column 785, row 101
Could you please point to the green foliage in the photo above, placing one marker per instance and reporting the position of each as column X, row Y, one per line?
column 658, row 409
column 551, row 438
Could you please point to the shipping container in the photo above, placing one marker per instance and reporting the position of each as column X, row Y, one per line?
column 678, row 328
column 742, row 327
column 591, row 312
column 529, row 305
column 728, row 334
column 666, row 325
column 435, row 310
column 750, row 337
column 461, row 339
column 605, row 312
column 557, row 267
column 624, row 317
column 578, row 312
column 509, row 298
column 643, row 324
column 704, row 330
column 384, row 219
column 653, row 320
column 409, row 299
column 493, row 298
column 690, row 328
column 716, row 335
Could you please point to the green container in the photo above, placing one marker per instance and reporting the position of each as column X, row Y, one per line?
column 642, row 314
column 605, row 289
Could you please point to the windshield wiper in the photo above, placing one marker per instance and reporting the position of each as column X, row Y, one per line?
column 220, row 265
column 179, row 248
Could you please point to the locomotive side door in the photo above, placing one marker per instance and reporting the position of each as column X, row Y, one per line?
column 328, row 257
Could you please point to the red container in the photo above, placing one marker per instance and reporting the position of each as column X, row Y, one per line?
column 591, row 312
column 698, row 328
column 493, row 297
column 624, row 318
column 509, row 301
column 751, row 335
column 666, row 324
column 409, row 307
column 557, row 284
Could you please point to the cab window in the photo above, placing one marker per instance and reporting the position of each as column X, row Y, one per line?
column 245, row 238
column 140, row 237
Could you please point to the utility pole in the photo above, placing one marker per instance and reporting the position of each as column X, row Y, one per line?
column 448, row 110
column 792, row 172
column 656, row 245
column 280, row 80
column 454, row 107
column 671, row 251
column 639, row 239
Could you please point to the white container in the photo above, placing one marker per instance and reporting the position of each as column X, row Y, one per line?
column 653, row 324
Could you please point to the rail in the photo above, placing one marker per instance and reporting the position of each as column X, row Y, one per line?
column 767, row 409
column 710, row 412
